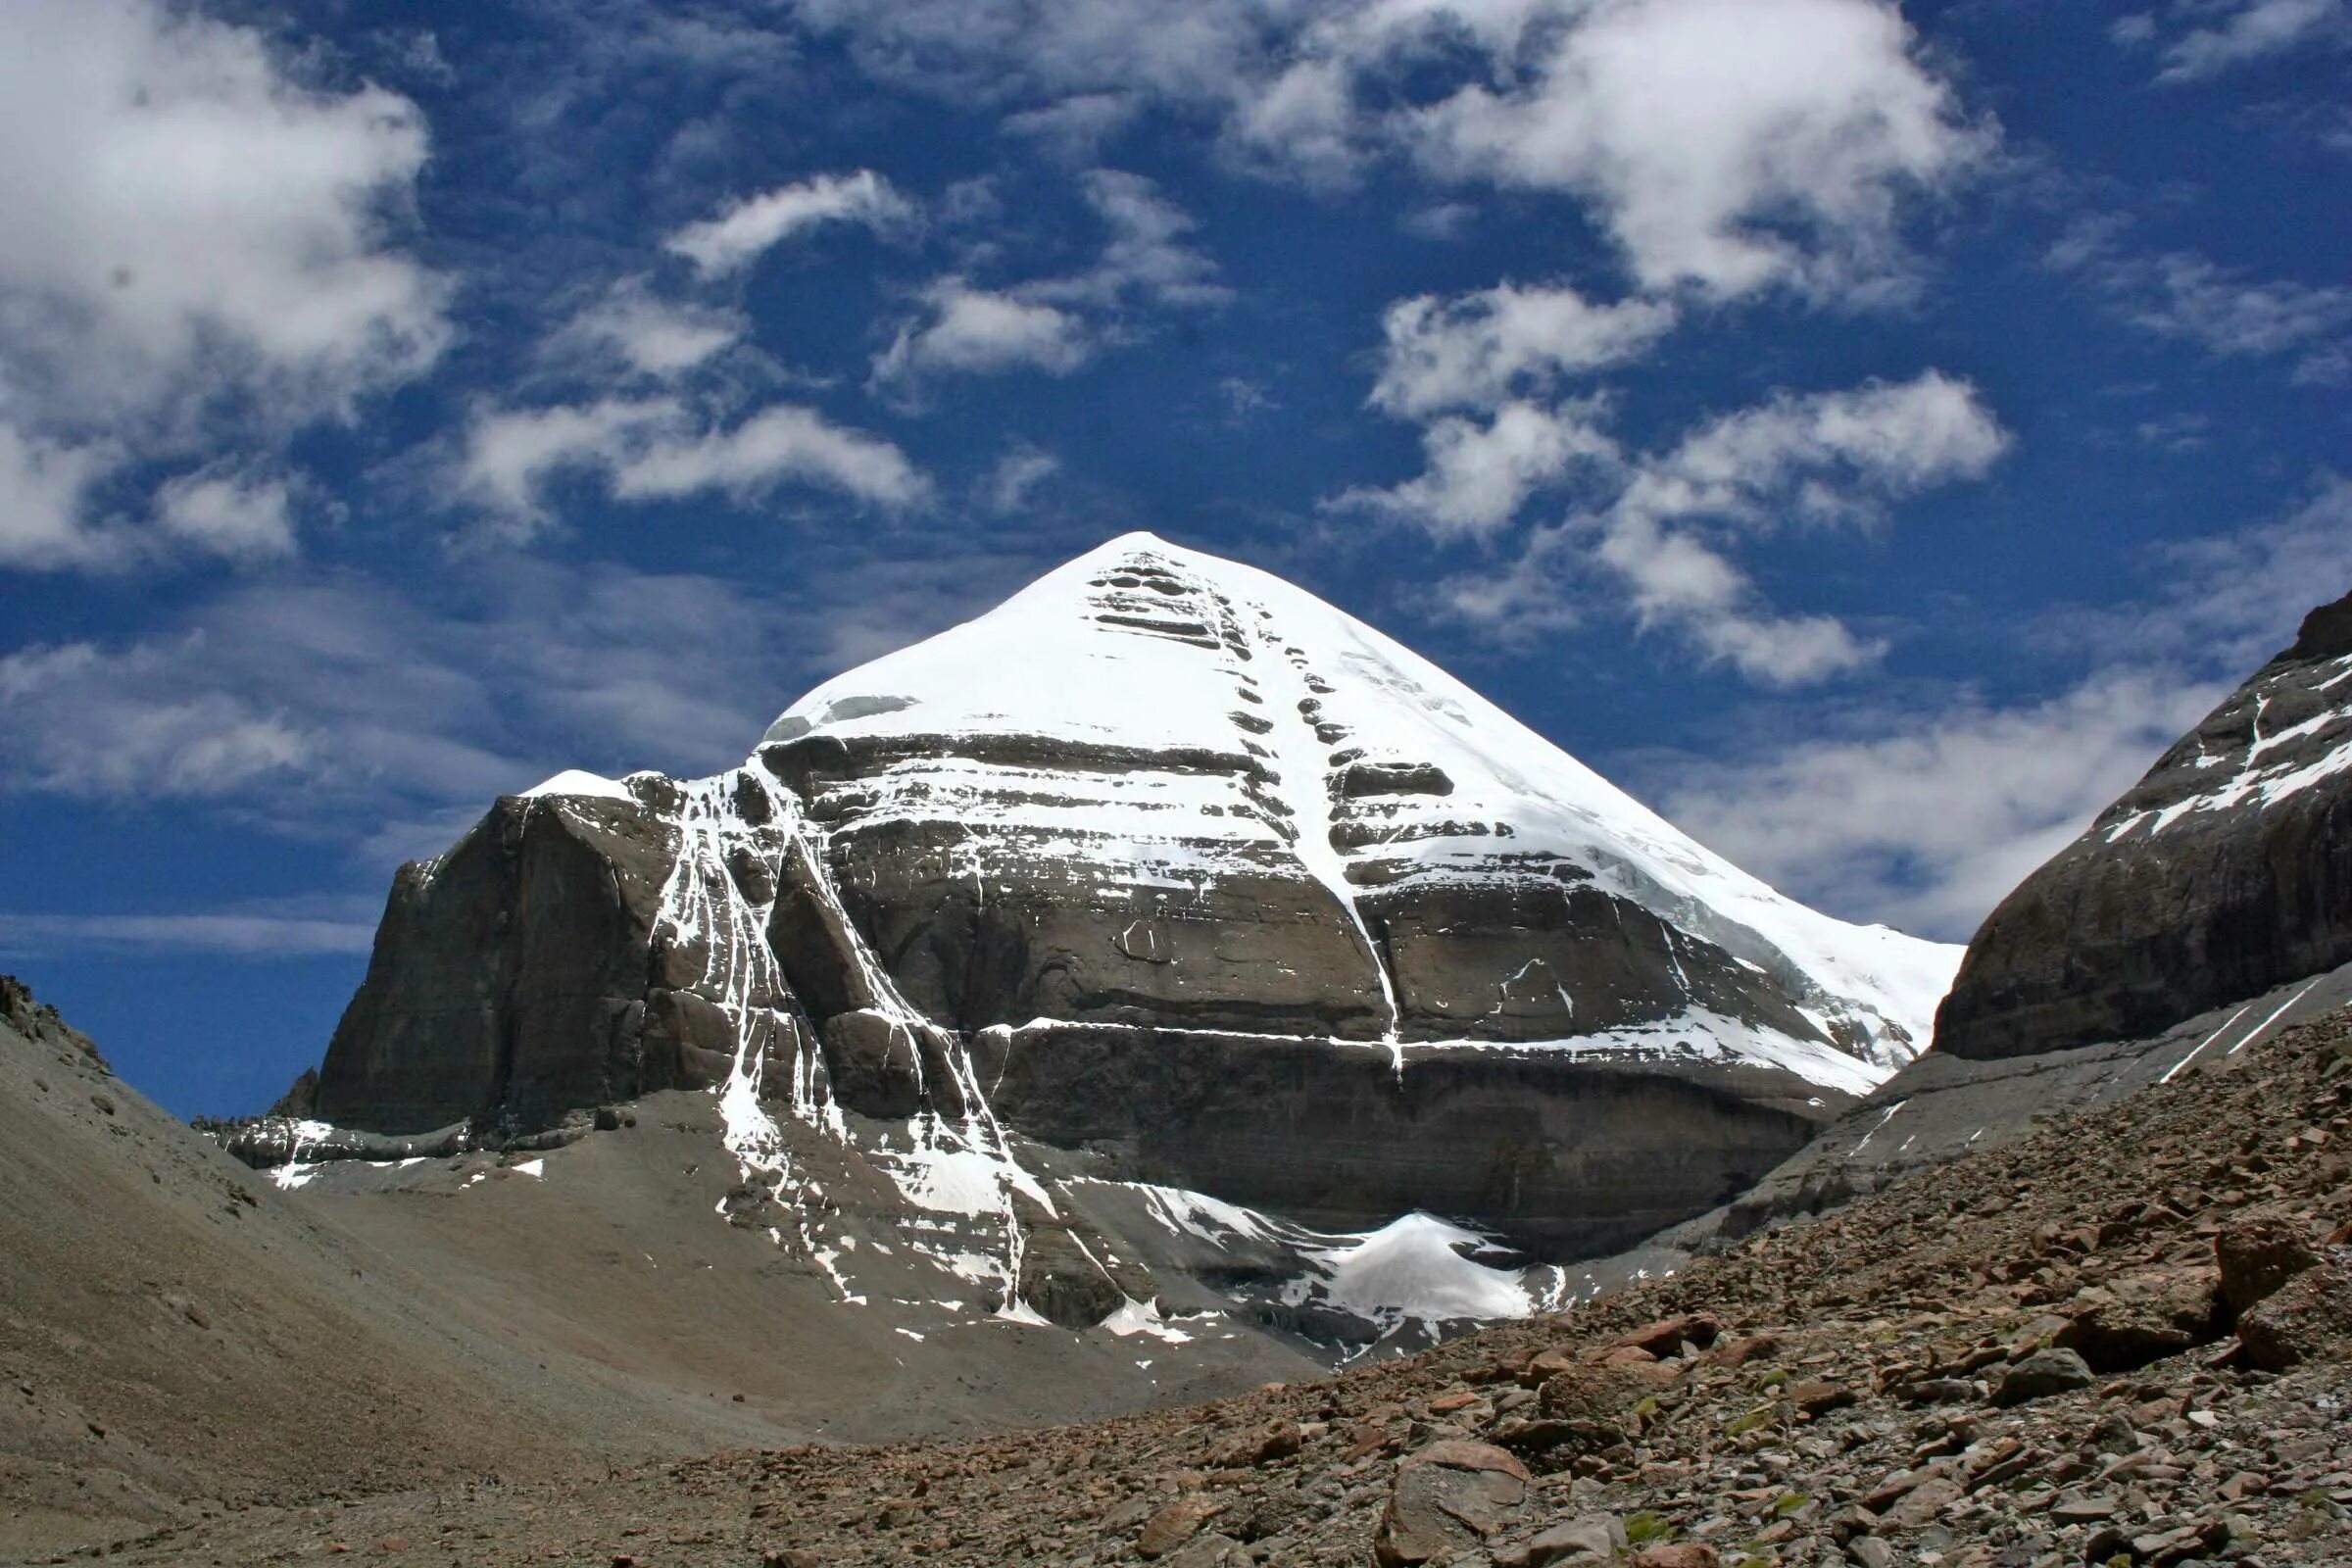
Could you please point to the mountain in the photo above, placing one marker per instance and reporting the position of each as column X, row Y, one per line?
column 2225, row 871
column 1163, row 939
column 2209, row 908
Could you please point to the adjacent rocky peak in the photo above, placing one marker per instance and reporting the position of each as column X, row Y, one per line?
column 1165, row 894
column 2224, row 873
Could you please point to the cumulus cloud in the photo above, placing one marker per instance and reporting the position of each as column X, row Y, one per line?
column 1478, row 476
column 1475, row 350
column 983, row 332
column 232, row 513
column 199, row 246
column 652, row 335
column 1665, row 527
column 776, row 445
column 1725, row 144
column 748, row 228
column 1728, row 144
column 41, row 486
column 1056, row 325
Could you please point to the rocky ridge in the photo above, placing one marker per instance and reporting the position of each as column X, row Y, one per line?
column 2124, row 1339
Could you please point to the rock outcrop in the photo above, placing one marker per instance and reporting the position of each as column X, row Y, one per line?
column 2206, row 910
column 1163, row 862
column 2224, row 873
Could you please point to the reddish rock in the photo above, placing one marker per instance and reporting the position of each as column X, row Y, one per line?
column 1448, row 1499
column 1176, row 1524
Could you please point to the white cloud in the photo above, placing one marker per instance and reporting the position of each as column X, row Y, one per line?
column 197, row 245
column 2253, row 29
column 1477, row 476
column 1665, row 527
column 1890, row 439
column 1075, row 128
column 660, row 449
column 749, row 227
column 778, row 444
column 41, row 487
column 1015, row 478
column 2187, row 296
column 1056, row 325
column 86, row 727
column 236, row 516
column 1730, row 144
column 2190, row 298
column 1924, row 819
column 508, row 454
column 982, row 332
column 655, row 336
column 1827, row 457
column 255, row 936
column 1146, row 258
column 1476, row 350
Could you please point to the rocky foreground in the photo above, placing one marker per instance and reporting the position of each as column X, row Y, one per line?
column 2124, row 1339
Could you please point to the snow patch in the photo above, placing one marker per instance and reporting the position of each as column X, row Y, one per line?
column 573, row 781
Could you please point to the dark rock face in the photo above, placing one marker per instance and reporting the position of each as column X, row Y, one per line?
column 1567, row 1159
column 514, row 978
column 2226, row 872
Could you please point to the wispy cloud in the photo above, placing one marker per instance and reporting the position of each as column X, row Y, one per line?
column 2241, row 32
column 2193, row 299
column 229, row 934
column 1056, row 325
column 749, row 227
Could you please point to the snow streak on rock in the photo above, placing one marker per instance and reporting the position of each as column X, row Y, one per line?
column 961, row 1169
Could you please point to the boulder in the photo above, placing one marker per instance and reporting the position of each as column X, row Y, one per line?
column 2140, row 1317
column 1448, row 1498
column 2040, row 1375
column 2308, row 1318
column 2257, row 1255
column 874, row 1064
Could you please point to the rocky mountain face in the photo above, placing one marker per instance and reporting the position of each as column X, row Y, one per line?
column 1163, row 877
column 2224, row 873
column 2207, row 909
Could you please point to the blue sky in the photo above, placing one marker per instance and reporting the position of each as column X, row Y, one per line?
column 1868, row 433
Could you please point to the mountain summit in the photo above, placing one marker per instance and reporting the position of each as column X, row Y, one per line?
column 1163, row 914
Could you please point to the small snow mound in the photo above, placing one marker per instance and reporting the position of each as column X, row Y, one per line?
column 1419, row 1267
column 573, row 781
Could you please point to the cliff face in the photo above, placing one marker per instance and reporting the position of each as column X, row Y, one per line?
column 2206, row 910
column 2224, row 873
column 1169, row 867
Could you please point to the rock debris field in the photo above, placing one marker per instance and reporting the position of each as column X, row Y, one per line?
column 2124, row 1339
